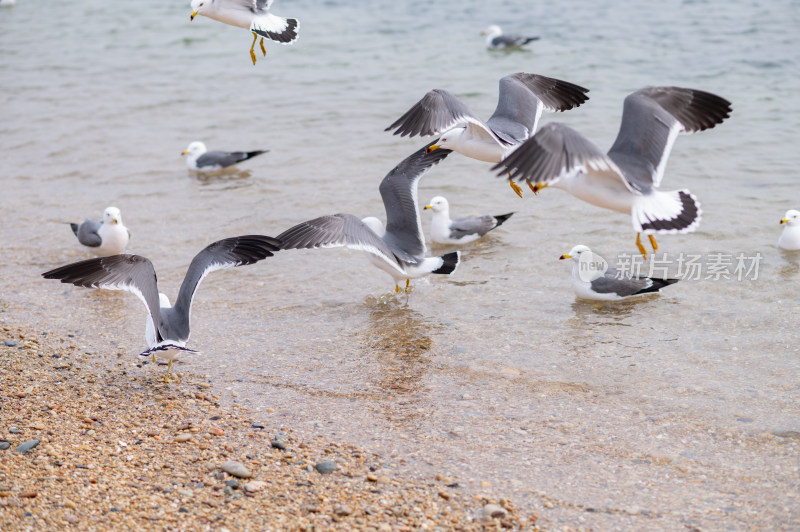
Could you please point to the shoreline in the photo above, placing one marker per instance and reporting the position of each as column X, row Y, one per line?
column 120, row 450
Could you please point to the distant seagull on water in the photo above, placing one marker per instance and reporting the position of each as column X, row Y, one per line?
column 461, row 230
column 399, row 248
column 250, row 14
column 167, row 327
column 201, row 159
column 104, row 238
column 626, row 179
column 520, row 103
column 790, row 237
column 497, row 40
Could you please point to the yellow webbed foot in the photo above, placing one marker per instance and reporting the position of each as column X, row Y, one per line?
column 516, row 188
column 166, row 375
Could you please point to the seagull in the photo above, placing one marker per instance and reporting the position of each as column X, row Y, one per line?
column 399, row 247
column 461, row 230
column 109, row 237
column 251, row 14
column 136, row 274
column 521, row 100
column 201, row 159
column 592, row 280
column 626, row 179
column 496, row 40
column 790, row 237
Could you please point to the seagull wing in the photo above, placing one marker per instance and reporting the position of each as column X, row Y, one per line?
column 438, row 111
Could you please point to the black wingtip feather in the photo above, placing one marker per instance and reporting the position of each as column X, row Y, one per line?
column 449, row 263
column 657, row 285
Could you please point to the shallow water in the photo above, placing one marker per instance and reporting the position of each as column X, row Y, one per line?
column 666, row 405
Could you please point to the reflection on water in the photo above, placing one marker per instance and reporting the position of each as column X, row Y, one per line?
column 790, row 266
column 224, row 179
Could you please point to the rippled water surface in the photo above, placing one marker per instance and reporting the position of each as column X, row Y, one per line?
column 661, row 412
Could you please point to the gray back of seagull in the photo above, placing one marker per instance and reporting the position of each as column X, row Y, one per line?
column 461, row 227
column 87, row 233
column 625, row 286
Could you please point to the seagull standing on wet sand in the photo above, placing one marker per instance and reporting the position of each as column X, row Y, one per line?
column 203, row 160
column 626, row 179
column 108, row 237
column 167, row 327
column 251, row 14
column 461, row 230
column 592, row 280
column 520, row 103
column 497, row 40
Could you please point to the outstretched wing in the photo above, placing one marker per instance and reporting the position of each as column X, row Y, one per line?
column 438, row 111
column 133, row 273
column 652, row 118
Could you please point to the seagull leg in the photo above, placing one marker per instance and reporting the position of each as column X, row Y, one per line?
column 514, row 186
column 408, row 283
column 653, row 242
column 252, row 46
column 166, row 376
column 396, row 288
column 640, row 246
column 263, row 50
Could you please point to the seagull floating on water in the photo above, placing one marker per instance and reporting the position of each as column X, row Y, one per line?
column 461, row 230
column 520, row 103
column 497, row 40
column 136, row 274
column 251, row 14
column 201, row 159
column 104, row 238
column 790, row 237
column 591, row 278
column 626, row 179
column 399, row 247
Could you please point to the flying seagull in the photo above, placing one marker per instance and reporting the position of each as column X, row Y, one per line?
column 399, row 247
column 201, row 159
column 461, row 230
column 137, row 275
column 251, row 14
column 497, row 40
column 108, row 237
column 626, row 179
column 520, row 103
column 591, row 280
column 790, row 237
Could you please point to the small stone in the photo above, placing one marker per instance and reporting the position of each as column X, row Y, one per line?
column 233, row 484
column 10, row 343
column 186, row 436
column 29, row 494
column 278, row 445
column 115, row 509
column 4, row 445
column 236, row 469
column 444, row 495
column 254, row 486
column 548, row 504
column 326, row 467
column 13, row 429
column 371, row 477
column 341, row 509
column 216, row 431
column 258, row 426
column 492, row 511
column 27, row 446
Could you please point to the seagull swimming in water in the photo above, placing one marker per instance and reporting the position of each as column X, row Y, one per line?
column 790, row 237
column 399, row 247
column 167, row 327
column 251, row 14
column 520, row 103
column 104, row 238
column 497, row 40
column 461, row 230
column 199, row 158
column 626, row 179
column 591, row 278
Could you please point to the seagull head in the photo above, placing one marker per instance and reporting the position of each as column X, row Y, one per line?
column 437, row 204
column 112, row 215
column 450, row 140
column 195, row 149
column 575, row 252
column 198, row 6
column 492, row 30
column 791, row 217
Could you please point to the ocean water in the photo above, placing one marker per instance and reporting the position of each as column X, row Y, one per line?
column 663, row 412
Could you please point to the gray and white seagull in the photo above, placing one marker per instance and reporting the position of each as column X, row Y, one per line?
column 497, row 40
column 626, row 179
column 460, row 230
column 199, row 158
column 399, row 247
column 106, row 237
column 136, row 274
column 250, row 14
column 522, row 99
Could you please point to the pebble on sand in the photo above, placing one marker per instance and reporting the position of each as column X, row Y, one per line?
column 27, row 446
column 236, row 469
column 326, row 467
column 492, row 511
column 4, row 445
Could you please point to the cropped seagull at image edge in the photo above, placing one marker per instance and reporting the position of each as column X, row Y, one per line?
column 251, row 14
column 167, row 327
column 790, row 236
column 199, row 158
column 106, row 237
column 602, row 284
column 399, row 247
column 521, row 100
column 626, row 179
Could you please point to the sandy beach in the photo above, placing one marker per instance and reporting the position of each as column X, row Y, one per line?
column 108, row 449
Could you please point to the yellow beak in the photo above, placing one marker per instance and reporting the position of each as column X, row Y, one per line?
column 114, row 220
column 565, row 256
column 185, row 152
column 784, row 221
column 194, row 14
column 427, row 207
column 432, row 147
